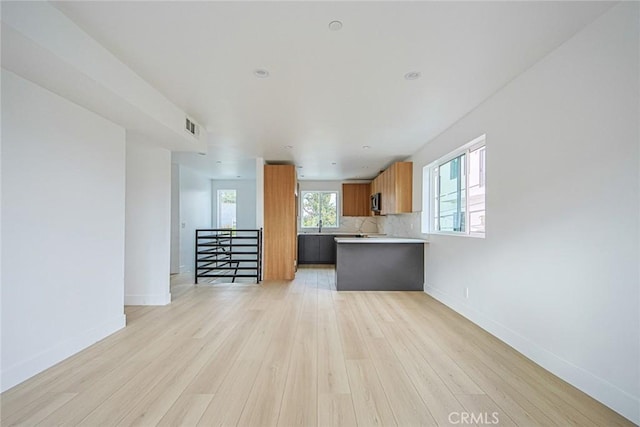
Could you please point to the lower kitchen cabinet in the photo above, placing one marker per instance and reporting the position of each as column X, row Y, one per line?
column 327, row 251
column 316, row 249
column 308, row 249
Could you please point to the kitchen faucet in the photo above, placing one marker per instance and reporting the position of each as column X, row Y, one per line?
column 320, row 226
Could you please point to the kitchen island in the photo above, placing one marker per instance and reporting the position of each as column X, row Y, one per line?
column 379, row 264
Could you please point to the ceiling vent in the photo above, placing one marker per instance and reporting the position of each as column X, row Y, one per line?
column 191, row 127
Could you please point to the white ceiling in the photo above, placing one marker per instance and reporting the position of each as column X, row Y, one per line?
column 328, row 93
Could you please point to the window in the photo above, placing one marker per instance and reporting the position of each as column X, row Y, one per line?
column 319, row 206
column 454, row 192
column 227, row 209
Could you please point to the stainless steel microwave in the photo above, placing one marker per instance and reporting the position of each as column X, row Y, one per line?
column 375, row 202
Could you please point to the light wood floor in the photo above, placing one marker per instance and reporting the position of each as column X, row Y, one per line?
column 298, row 353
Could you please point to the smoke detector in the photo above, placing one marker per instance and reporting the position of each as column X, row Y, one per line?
column 335, row 25
column 412, row 75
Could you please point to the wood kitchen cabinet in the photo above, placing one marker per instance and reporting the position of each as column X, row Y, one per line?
column 396, row 187
column 388, row 195
column 279, row 243
column 375, row 187
column 356, row 199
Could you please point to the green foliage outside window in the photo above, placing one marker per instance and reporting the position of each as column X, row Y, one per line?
column 318, row 205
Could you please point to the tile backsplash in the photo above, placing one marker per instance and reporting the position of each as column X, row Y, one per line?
column 352, row 224
column 401, row 225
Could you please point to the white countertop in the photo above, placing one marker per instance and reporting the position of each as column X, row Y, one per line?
column 378, row 240
column 341, row 233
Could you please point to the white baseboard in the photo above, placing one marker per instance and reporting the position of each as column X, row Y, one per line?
column 619, row 400
column 24, row 370
column 151, row 299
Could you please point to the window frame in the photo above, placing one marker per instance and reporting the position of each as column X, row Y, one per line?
column 429, row 192
column 219, row 208
column 301, row 201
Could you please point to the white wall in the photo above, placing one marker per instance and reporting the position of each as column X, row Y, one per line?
column 175, row 219
column 40, row 33
column 245, row 201
column 195, row 212
column 148, row 224
column 63, row 214
column 557, row 275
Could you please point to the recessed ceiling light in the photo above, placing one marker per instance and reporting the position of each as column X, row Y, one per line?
column 288, row 147
column 366, row 147
column 261, row 73
column 412, row 75
column 335, row 25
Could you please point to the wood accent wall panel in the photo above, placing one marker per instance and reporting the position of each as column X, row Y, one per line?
column 356, row 199
column 280, row 231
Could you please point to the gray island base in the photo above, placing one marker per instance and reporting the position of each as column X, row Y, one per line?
column 379, row 264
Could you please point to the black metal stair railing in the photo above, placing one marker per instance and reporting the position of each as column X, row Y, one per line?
column 223, row 252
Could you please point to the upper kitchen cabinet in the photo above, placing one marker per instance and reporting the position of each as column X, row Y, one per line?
column 355, row 199
column 280, row 242
column 395, row 186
